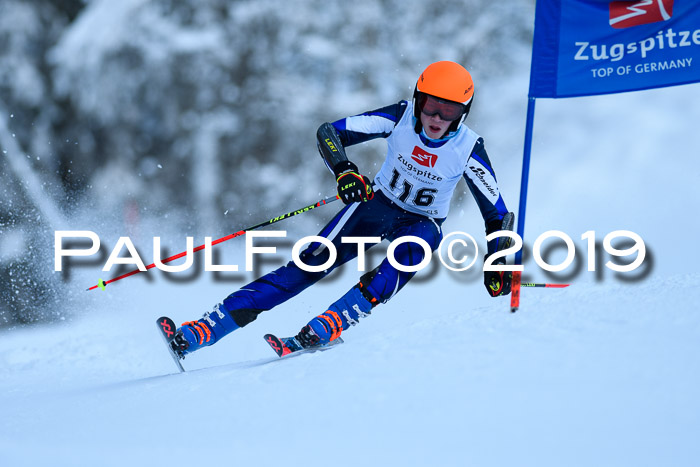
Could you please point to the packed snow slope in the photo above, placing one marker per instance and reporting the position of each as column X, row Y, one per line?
column 593, row 375
column 605, row 372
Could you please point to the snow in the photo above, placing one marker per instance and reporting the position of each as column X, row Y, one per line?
column 604, row 372
column 31, row 183
column 591, row 375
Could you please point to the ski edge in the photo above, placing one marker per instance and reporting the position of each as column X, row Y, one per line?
column 277, row 344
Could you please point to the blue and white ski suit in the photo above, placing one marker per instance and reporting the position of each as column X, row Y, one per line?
column 413, row 190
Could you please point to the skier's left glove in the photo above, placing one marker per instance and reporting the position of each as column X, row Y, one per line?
column 498, row 282
column 352, row 187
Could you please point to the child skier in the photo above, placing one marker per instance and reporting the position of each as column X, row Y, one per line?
column 429, row 150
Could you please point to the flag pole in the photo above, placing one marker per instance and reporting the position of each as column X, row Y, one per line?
column 525, row 175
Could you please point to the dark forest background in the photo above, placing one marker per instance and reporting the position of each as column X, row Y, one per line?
column 200, row 112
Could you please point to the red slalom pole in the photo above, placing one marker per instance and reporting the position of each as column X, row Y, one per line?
column 101, row 284
column 515, row 292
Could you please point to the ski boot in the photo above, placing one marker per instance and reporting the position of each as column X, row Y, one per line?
column 204, row 332
column 342, row 314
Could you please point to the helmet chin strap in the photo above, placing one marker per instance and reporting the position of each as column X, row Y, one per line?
column 418, row 127
column 416, row 114
column 454, row 125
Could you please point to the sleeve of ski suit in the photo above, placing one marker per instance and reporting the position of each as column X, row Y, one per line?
column 481, row 179
column 369, row 125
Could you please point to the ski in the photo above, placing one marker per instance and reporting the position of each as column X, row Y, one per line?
column 284, row 346
column 167, row 328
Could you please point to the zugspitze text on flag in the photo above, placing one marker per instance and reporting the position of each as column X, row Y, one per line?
column 587, row 47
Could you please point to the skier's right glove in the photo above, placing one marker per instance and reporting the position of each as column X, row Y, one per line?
column 352, row 187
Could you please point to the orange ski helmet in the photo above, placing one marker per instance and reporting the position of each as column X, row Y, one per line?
column 448, row 81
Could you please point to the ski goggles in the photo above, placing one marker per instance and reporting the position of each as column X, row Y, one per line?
column 447, row 110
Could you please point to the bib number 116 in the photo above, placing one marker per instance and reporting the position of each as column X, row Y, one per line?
column 423, row 197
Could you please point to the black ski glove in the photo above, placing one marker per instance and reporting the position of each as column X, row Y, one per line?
column 498, row 282
column 352, row 187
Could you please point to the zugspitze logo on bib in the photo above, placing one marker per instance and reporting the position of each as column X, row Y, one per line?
column 424, row 158
column 635, row 13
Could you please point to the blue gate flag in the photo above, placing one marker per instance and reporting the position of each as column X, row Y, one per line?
column 588, row 47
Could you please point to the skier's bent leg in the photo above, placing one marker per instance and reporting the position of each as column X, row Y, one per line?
column 377, row 286
column 343, row 313
column 243, row 306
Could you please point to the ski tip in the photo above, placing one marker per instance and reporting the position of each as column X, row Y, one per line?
column 276, row 344
column 167, row 329
column 166, row 326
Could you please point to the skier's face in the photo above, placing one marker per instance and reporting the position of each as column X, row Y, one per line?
column 434, row 126
column 437, row 114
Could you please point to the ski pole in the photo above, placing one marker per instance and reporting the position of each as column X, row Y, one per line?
column 101, row 284
column 530, row 284
column 515, row 290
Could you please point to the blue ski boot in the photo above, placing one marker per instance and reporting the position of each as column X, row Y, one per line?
column 206, row 331
column 342, row 314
